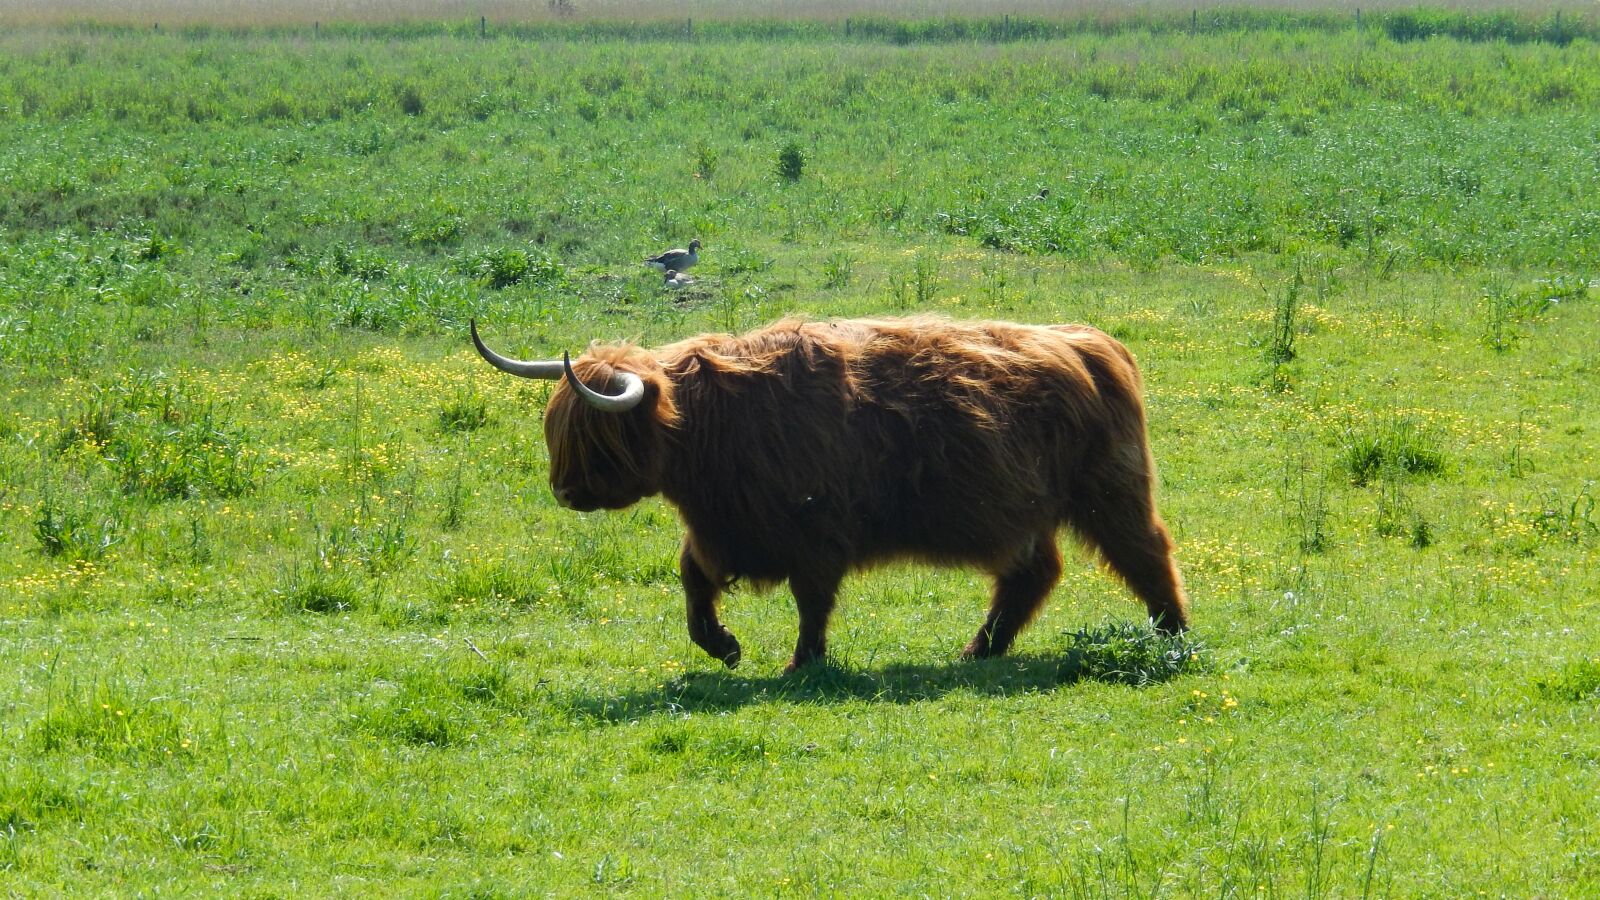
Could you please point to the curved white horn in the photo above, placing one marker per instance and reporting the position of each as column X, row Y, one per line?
column 549, row 370
column 632, row 389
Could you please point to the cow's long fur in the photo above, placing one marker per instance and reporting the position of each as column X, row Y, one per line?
column 807, row 449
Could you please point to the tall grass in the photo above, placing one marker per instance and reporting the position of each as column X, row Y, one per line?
column 1357, row 147
column 925, row 22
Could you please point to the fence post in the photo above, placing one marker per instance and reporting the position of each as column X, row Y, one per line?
column 1358, row 18
column 688, row 27
column 1005, row 29
column 483, row 26
column 846, row 27
column 316, row 29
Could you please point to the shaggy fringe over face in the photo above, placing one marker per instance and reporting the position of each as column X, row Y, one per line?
column 588, row 445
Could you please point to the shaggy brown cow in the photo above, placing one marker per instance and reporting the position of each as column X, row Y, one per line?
column 807, row 449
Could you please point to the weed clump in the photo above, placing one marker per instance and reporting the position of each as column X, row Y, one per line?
column 1576, row 681
column 75, row 531
column 434, row 230
column 1399, row 446
column 791, row 162
column 318, row 590
column 1280, row 342
column 359, row 262
column 164, row 441
column 1306, row 510
column 410, row 100
column 506, row 266
column 705, row 161
column 1130, row 653
column 467, row 411
column 491, row 583
column 200, row 460
column 108, row 720
column 1504, row 308
column 925, row 277
column 1567, row 519
column 837, row 270
column 1398, row 517
column 419, row 725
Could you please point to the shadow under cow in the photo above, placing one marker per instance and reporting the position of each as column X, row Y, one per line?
column 1097, row 655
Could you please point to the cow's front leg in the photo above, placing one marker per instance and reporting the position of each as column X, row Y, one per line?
column 701, row 594
column 814, row 594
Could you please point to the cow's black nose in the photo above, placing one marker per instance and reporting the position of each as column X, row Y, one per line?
column 575, row 498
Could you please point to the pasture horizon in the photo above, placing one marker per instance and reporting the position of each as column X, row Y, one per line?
column 184, row 13
column 289, row 607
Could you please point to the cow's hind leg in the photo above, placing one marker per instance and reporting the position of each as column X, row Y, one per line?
column 1122, row 523
column 814, row 595
column 701, row 593
column 1019, row 594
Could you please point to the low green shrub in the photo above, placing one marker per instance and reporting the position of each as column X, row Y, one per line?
column 1130, row 653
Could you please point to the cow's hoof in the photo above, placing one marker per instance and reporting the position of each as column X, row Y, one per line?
column 798, row 663
column 725, row 647
column 1173, row 629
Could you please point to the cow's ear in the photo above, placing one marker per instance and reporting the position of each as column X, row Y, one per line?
column 658, row 397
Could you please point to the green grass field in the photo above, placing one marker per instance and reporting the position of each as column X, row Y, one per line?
column 288, row 608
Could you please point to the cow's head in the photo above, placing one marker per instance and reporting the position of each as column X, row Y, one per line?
column 605, row 423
